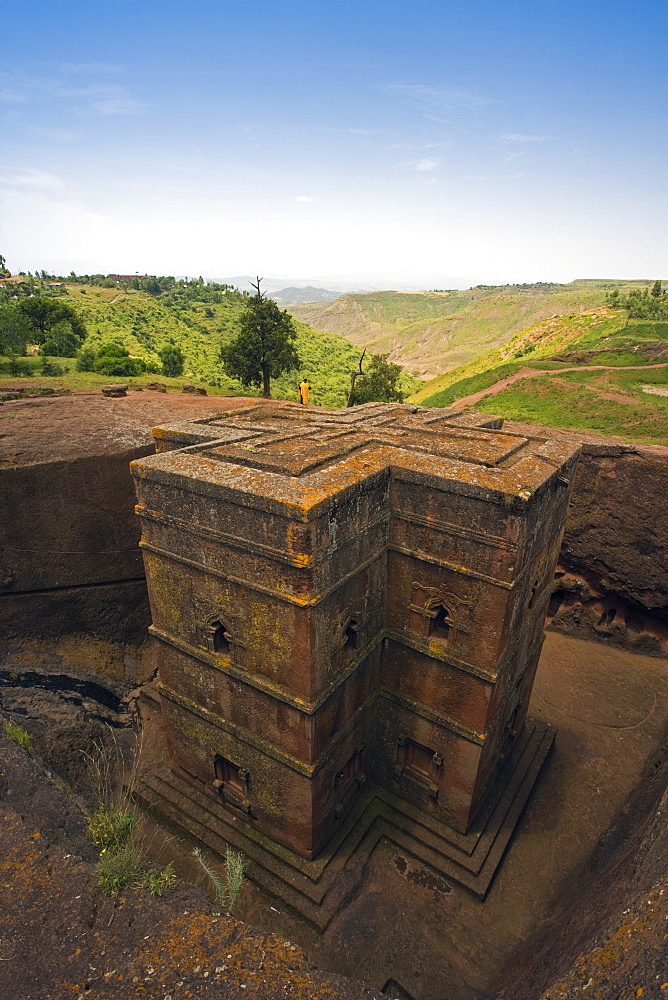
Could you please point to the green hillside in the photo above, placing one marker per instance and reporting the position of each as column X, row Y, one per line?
column 620, row 386
column 430, row 332
column 198, row 322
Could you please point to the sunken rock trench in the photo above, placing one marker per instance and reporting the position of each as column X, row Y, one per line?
column 579, row 908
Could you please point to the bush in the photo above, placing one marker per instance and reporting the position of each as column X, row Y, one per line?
column 111, row 826
column 49, row 369
column 121, row 868
column 122, row 366
column 62, row 342
column 158, row 882
column 227, row 892
column 113, row 350
column 86, row 360
column 20, row 368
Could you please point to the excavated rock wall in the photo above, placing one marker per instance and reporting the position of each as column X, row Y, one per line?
column 612, row 580
column 72, row 587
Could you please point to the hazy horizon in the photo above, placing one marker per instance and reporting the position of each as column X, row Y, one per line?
column 430, row 145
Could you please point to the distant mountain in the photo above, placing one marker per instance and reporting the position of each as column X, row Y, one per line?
column 431, row 332
column 272, row 286
column 297, row 296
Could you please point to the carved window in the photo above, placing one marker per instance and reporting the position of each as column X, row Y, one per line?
column 420, row 765
column 231, row 782
column 350, row 637
column 220, row 637
column 440, row 622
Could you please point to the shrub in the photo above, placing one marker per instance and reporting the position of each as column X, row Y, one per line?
column 113, row 350
column 86, row 360
column 121, row 867
column 158, row 882
column 226, row 893
column 48, row 368
column 122, row 366
column 62, row 342
column 111, row 826
column 172, row 360
column 20, row 368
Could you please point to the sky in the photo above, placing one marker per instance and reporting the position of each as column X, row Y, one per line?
column 377, row 144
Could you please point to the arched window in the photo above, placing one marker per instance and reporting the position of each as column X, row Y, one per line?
column 440, row 622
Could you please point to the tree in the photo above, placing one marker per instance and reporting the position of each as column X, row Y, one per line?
column 15, row 329
column 172, row 360
column 656, row 289
column 380, row 382
column 62, row 342
column 44, row 313
column 264, row 347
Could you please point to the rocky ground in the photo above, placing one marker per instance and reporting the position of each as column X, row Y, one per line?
column 579, row 909
column 88, row 423
column 62, row 937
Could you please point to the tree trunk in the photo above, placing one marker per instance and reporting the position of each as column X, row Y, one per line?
column 266, row 385
column 353, row 379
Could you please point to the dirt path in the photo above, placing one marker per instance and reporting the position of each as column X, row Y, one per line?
column 503, row 383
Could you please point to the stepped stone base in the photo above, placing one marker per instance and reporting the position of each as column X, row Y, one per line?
column 318, row 889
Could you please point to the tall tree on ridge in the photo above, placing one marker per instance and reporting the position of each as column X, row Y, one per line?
column 264, row 347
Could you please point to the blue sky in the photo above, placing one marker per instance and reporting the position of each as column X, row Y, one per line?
column 384, row 143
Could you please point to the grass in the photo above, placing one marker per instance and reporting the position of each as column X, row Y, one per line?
column 19, row 736
column 541, row 401
column 467, row 386
column 113, row 824
column 226, row 893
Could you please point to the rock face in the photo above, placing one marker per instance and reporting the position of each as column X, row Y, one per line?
column 612, row 580
column 72, row 587
column 617, row 532
column 611, row 584
column 349, row 601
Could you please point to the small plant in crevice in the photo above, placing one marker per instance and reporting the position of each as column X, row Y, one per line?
column 226, row 893
column 121, row 867
column 19, row 736
column 158, row 882
column 112, row 824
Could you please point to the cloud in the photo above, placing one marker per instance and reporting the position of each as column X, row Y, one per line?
column 304, row 197
column 425, row 164
column 520, row 137
column 58, row 134
column 33, row 178
column 120, row 106
column 437, row 100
